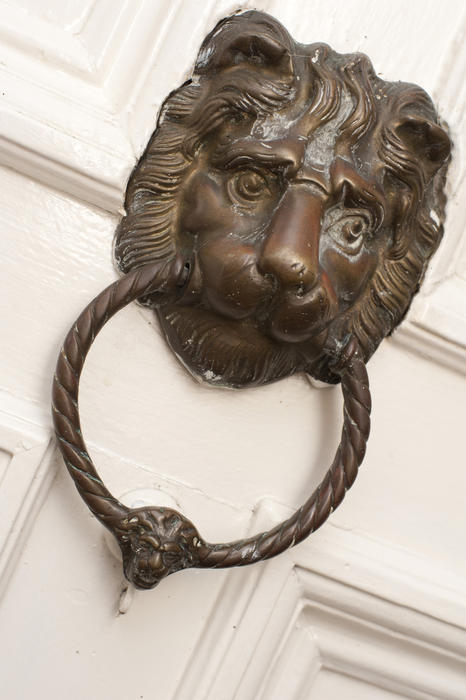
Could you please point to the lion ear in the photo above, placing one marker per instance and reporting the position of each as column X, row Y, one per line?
column 251, row 37
column 427, row 140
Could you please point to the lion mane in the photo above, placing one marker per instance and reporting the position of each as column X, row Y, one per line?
column 391, row 132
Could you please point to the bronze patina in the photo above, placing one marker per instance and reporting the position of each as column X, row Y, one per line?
column 280, row 220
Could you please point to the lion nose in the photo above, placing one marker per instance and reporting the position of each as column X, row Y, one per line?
column 291, row 247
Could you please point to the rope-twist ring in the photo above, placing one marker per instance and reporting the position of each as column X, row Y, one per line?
column 157, row 541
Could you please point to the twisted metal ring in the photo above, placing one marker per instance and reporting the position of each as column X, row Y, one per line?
column 157, row 541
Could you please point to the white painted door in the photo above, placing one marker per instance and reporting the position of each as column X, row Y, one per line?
column 372, row 607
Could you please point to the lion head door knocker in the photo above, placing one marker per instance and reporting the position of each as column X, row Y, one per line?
column 280, row 220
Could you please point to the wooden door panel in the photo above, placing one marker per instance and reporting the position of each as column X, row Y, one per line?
column 373, row 605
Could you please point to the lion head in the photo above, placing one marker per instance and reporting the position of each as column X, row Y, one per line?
column 155, row 542
column 307, row 194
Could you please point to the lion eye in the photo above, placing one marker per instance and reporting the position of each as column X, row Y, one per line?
column 248, row 186
column 350, row 230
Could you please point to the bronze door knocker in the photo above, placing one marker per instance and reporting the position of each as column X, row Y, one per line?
column 280, row 220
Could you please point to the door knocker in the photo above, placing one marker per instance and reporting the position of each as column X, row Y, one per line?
column 280, row 220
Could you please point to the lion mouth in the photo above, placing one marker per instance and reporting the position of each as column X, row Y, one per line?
column 298, row 318
column 284, row 315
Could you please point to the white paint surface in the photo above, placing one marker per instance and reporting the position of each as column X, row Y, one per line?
column 373, row 605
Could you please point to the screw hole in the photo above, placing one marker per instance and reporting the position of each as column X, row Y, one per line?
column 185, row 274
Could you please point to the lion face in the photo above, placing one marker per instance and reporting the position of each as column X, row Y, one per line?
column 284, row 239
column 298, row 184
column 156, row 542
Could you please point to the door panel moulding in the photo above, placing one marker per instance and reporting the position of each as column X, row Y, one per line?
column 343, row 604
column 26, row 473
